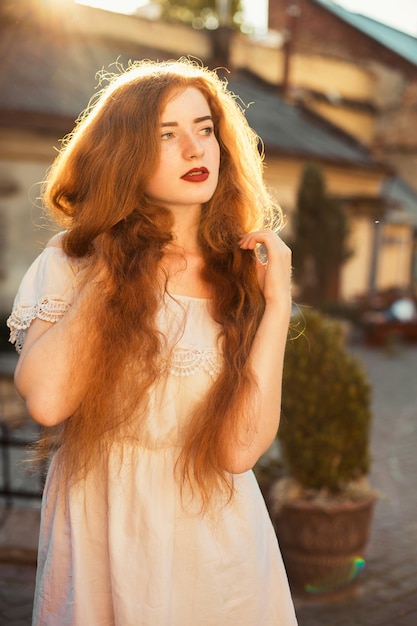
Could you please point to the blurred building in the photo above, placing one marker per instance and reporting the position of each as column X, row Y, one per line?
column 360, row 75
column 307, row 106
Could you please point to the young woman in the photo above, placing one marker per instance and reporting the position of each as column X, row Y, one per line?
column 152, row 340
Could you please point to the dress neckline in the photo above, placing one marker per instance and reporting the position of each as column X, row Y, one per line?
column 180, row 296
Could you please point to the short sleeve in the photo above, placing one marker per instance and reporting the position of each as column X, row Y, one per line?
column 46, row 292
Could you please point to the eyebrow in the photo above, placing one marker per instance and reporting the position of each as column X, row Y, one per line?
column 197, row 120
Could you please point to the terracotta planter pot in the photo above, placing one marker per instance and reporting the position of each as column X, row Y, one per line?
column 323, row 545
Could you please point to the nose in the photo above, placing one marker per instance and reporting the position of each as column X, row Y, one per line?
column 192, row 147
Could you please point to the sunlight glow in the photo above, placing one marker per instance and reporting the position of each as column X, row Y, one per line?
column 401, row 14
column 116, row 6
column 255, row 11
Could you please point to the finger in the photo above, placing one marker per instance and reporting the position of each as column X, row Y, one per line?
column 250, row 240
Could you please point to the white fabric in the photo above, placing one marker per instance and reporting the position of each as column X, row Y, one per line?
column 46, row 292
column 121, row 548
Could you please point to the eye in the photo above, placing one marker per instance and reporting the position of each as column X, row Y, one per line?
column 167, row 135
column 209, row 130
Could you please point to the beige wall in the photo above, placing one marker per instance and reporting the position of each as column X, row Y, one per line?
column 356, row 271
column 265, row 60
column 395, row 257
column 24, row 159
column 26, row 229
column 86, row 22
column 336, row 78
column 359, row 123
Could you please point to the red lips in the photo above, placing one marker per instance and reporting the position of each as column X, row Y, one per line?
column 196, row 175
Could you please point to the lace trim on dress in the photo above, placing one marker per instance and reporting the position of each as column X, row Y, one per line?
column 49, row 309
column 188, row 361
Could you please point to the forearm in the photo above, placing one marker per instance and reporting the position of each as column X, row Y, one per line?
column 267, row 361
column 259, row 427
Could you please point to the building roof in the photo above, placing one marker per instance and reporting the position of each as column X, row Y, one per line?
column 403, row 201
column 291, row 129
column 55, row 73
column 401, row 43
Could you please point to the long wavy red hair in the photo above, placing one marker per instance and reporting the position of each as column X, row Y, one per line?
column 96, row 190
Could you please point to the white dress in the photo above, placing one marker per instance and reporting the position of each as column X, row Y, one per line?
column 129, row 553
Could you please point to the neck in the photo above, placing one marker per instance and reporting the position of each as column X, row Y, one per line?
column 185, row 231
column 183, row 262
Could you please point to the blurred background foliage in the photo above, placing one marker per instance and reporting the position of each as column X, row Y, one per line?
column 199, row 14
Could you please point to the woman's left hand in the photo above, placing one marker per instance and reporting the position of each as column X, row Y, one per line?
column 275, row 274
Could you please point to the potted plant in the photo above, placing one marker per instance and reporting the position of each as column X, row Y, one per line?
column 322, row 508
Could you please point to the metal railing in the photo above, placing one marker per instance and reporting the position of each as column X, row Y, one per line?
column 17, row 434
column 11, row 439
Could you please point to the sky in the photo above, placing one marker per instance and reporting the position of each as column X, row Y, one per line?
column 400, row 14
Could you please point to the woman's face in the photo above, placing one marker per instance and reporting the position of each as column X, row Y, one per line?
column 188, row 169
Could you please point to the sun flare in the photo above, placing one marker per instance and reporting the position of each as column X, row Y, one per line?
column 116, row 6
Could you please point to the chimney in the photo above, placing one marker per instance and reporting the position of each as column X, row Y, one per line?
column 221, row 36
column 293, row 12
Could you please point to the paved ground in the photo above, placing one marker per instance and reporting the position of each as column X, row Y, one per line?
column 387, row 594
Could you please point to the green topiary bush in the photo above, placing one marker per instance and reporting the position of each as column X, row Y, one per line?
column 326, row 415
